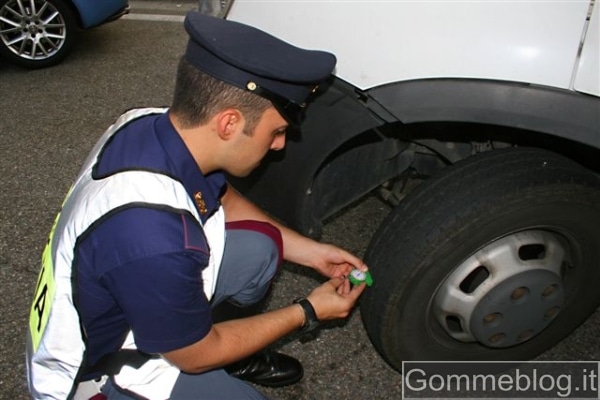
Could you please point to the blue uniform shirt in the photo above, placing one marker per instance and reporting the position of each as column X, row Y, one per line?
column 140, row 267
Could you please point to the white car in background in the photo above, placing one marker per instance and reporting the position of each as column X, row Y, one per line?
column 494, row 106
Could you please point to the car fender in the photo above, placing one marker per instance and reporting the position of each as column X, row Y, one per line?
column 343, row 153
column 562, row 113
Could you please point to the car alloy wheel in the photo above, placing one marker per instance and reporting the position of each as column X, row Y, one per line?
column 36, row 33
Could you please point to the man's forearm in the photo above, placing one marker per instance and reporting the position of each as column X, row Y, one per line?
column 233, row 340
column 295, row 246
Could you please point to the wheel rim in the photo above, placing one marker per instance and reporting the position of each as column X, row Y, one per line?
column 505, row 293
column 32, row 29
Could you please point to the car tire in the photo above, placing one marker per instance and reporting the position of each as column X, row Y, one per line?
column 453, row 260
column 36, row 37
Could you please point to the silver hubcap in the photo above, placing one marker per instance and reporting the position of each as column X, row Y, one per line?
column 506, row 293
column 32, row 29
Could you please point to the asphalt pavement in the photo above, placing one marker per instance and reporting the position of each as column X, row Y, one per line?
column 49, row 121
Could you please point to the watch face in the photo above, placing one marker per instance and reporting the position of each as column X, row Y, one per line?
column 358, row 275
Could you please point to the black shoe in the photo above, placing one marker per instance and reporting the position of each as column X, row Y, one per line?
column 267, row 368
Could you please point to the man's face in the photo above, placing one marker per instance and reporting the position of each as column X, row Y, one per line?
column 251, row 147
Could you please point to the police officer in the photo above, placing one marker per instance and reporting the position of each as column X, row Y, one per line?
column 152, row 241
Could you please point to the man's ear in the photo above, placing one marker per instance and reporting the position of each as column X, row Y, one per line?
column 229, row 122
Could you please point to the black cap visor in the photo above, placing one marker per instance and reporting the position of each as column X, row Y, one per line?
column 293, row 113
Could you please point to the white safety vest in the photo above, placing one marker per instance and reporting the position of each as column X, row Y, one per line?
column 54, row 326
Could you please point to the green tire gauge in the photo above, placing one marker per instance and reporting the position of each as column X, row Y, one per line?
column 357, row 277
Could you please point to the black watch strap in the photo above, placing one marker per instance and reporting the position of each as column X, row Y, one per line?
column 311, row 321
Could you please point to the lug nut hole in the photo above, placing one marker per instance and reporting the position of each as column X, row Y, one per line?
column 528, row 334
column 519, row 294
column 492, row 319
column 551, row 313
column 497, row 338
column 549, row 291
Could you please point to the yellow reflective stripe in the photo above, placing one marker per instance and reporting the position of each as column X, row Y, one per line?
column 44, row 294
column 44, row 290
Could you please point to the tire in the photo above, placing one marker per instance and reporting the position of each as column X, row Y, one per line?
column 497, row 258
column 39, row 36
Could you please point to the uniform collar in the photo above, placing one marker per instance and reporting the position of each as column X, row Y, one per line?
column 206, row 190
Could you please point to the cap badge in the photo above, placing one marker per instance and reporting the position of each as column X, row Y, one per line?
column 200, row 203
column 251, row 86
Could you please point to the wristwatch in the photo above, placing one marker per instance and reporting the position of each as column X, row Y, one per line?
column 311, row 322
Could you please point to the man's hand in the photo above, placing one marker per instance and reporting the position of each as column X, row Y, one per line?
column 333, row 262
column 335, row 298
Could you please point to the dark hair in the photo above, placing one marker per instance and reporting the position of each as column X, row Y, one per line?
column 199, row 96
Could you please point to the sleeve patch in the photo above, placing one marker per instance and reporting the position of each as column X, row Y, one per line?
column 193, row 235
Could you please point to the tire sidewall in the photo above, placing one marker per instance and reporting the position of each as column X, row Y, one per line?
column 409, row 262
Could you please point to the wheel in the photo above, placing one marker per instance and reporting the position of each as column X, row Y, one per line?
column 497, row 258
column 36, row 33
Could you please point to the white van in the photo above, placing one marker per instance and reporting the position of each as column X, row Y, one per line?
column 479, row 121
